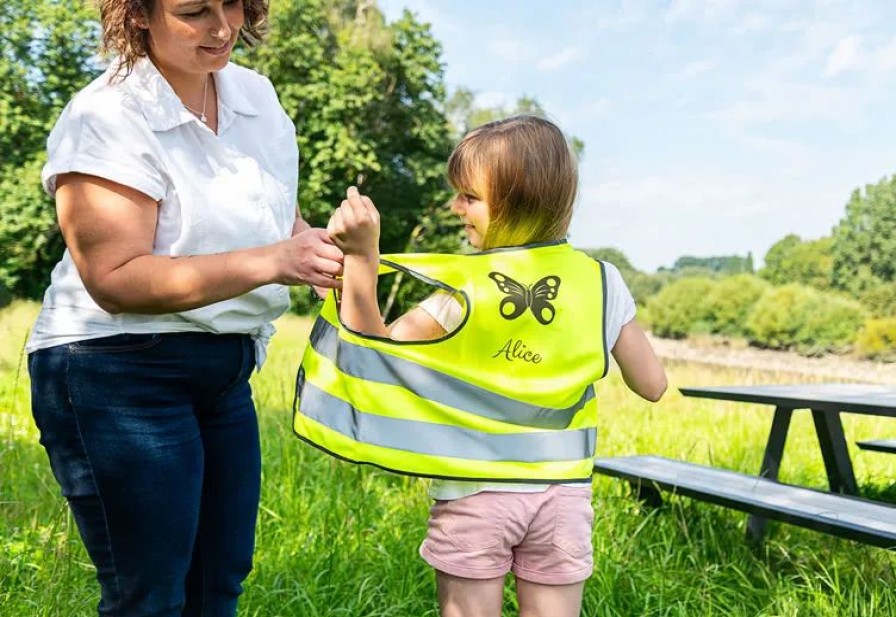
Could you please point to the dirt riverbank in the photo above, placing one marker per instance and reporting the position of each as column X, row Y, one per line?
column 738, row 354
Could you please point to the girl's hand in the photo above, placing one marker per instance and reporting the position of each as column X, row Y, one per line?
column 355, row 226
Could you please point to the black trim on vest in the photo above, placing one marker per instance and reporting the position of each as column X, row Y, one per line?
column 603, row 290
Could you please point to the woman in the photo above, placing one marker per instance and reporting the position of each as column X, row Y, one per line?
column 175, row 177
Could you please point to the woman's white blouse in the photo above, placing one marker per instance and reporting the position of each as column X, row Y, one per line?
column 215, row 193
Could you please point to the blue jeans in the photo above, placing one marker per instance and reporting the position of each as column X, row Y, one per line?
column 154, row 441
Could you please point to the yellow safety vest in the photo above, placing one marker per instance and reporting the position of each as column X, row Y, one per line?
column 507, row 396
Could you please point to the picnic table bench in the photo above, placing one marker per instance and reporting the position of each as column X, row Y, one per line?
column 838, row 511
column 879, row 445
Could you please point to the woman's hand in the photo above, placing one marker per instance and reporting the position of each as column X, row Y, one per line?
column 310, row 257
column 355, row 226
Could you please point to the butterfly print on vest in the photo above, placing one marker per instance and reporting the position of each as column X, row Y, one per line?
column 519, row 297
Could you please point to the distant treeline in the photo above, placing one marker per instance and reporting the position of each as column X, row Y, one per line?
column 831, row 294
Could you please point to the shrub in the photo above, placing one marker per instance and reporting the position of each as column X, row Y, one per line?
column 644, row 286
column 644, row 319
column 730, row 300
column 877, row 340
column 801, row 318
column 880, row 300
column 680, row 307
column 832, row 324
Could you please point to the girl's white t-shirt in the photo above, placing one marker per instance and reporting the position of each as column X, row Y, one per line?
column 215, row 193
column 448, row 313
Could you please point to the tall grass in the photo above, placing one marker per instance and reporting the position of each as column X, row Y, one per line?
column 341, row 540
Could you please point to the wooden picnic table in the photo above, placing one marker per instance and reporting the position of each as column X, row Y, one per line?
column 838, row 511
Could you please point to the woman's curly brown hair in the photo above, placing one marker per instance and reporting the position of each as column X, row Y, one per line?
column 122, row 36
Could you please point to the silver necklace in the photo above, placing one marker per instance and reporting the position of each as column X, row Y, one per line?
column 200, row 114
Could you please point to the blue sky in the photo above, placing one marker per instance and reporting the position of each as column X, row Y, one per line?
column 711, row 127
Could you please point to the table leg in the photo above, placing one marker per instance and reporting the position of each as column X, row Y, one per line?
column 771, row 464
column 646, row 494
column 841, row 477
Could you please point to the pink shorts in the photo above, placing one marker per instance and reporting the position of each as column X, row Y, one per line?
column 541, row 537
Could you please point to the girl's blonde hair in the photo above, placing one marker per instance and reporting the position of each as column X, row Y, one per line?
column 123, row 37
column 523, row 168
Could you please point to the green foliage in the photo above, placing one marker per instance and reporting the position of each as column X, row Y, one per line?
column 304, row 301
column 880, row 300
column 45, row 57
column 722, row 264
column 864, row 241
column 799, row 317
column 367, row 99
column 612, row 255
column 29, row 236
column 877, row 340
column 792, row 260
column 644, row 286
column 680, row 308
column 641, row 284
column 465, row 116
column 729, row 302
column 5, row 296
column 46, row 48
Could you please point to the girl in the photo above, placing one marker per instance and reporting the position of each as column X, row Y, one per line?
column 501, row 389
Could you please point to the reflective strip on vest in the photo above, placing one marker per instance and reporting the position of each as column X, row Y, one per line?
column 442, row 440
column 371, row 365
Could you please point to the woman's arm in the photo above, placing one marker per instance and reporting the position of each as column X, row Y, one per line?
column 109, row 230
column 641, row 369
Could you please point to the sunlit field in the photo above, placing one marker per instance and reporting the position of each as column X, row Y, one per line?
column 337, row 539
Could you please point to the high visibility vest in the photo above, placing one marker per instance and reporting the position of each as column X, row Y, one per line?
column 507, row 396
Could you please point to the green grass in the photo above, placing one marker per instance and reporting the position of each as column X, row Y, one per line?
column 340, row 540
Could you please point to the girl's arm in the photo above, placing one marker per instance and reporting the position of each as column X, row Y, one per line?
column 355, row 228
column 109, row 230
column 641, row 369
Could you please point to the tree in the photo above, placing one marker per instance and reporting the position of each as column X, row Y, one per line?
column 368, row 100
column 793, row 260
column 614, row 256
column 46, row 55
column 30, row 238
column 641, row 285
column 722, row 264
column 864, row 241
column 465, row 116
column 46, row 50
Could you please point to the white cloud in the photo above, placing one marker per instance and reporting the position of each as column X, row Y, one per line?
column 886, row 57
column 700, row 9
column 844, row 57
column 560, row 59
column 775, row 101
column 692, row 69
column 752, row 23
column 494, row 98
column 508, row 47
column 600, row 107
